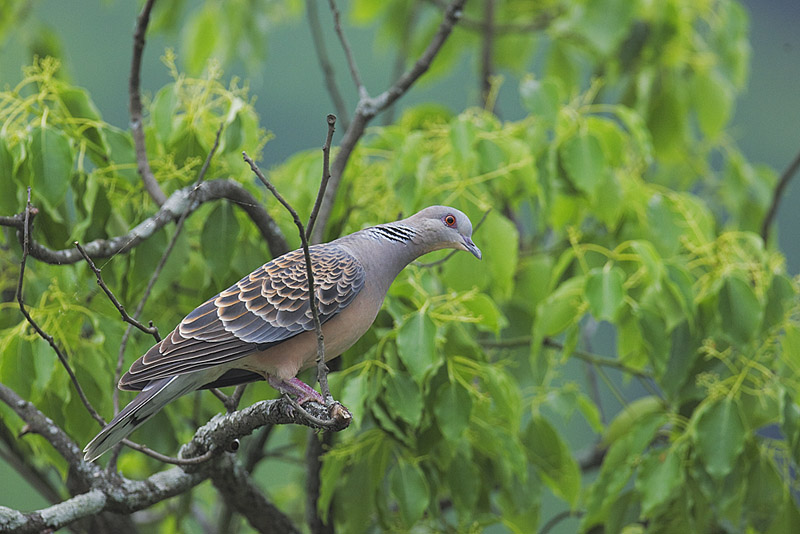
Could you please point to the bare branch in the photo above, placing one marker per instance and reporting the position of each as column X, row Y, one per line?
column 325, row 62
column 367, row 108
column 29, row 212
column 538, row 23
column 322, row 370
column 177, row 204
column 326, row 175
column 125, row 317
column 351, row 62
column 487, row 52
column 786, row 177
column 135, row 107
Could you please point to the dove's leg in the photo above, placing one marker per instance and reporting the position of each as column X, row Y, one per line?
column 296, row 388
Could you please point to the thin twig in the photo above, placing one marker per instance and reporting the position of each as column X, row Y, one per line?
column 558, row 518
column 367, row 108
column 29, row 211
column 322, row 374
column 135, row 106
column 540, row 22
column 195, row 460
column 402, row 54
column 487, row 52
column 157, row 272
column 348, row 52
column 325, row 63
column 326, row 174
column 786, row 177
column 450, row 254
column 153, row 331
column 596, row 359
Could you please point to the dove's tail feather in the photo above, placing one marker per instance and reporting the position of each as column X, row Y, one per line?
column 153, row 397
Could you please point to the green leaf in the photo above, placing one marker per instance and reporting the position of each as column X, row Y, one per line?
column 51, row 164
column 410, row 488
column 630, row 417
column 416, row 344
column 719, row 436
column 464, row 480
column 550, row 454
column 583, row 159
column 485, row 311
column 713, row 101
column 200, row 37
column 739, row 309
column 660, row 476
column 452, row 410
column 540, row 98
column 498, row 238
column 163, row 111
column 404, row 397
column 605, row 292
column 218, row 240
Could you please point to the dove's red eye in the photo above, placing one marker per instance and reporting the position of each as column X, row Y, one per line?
column 449, row 220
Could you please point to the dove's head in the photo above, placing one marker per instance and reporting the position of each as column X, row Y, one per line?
column 445, row 227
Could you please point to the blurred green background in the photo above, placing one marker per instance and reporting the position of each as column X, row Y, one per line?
column 94, row 40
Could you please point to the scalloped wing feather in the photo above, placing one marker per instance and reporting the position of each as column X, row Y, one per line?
column 266, row 307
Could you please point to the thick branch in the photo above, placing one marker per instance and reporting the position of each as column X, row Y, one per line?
column 135, row 107
column 243, row 495
column 367, row 108
column 40, row 424
column 786, row 177
column 177, row 204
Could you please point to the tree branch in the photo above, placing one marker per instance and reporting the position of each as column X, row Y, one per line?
column 177, row 204
column 153, row 331
column 322, row 370
column 325, row 62
column 487, row 52
column 30, row 211
column 348, row 52
column 135, row 107
column 786, row 177
column 241, row 494
column 368, row 107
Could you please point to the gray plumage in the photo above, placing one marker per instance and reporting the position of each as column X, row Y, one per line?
column 261, row 327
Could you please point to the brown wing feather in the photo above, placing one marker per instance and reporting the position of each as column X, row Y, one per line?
column 266, row 307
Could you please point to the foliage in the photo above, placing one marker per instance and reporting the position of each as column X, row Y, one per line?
column 617, row 200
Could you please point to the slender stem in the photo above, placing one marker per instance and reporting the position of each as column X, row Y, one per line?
column 29, row 212
column 125, row 317
column 325, row 63
column 348, row 52
column 367, row 108
column 785, row 178
column 322, row 369
column 135, row 105
column 487, row 52
column 326, row 175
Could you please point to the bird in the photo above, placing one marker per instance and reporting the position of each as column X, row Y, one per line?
column 261, row 328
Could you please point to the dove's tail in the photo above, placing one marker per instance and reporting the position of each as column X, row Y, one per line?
column 153, row 397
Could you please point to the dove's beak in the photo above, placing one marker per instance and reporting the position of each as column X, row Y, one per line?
column 469, row 246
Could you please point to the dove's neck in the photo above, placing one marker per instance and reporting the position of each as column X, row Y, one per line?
column 385, row 250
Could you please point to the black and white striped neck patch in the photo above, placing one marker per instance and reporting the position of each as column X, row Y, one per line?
column 393, row 232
